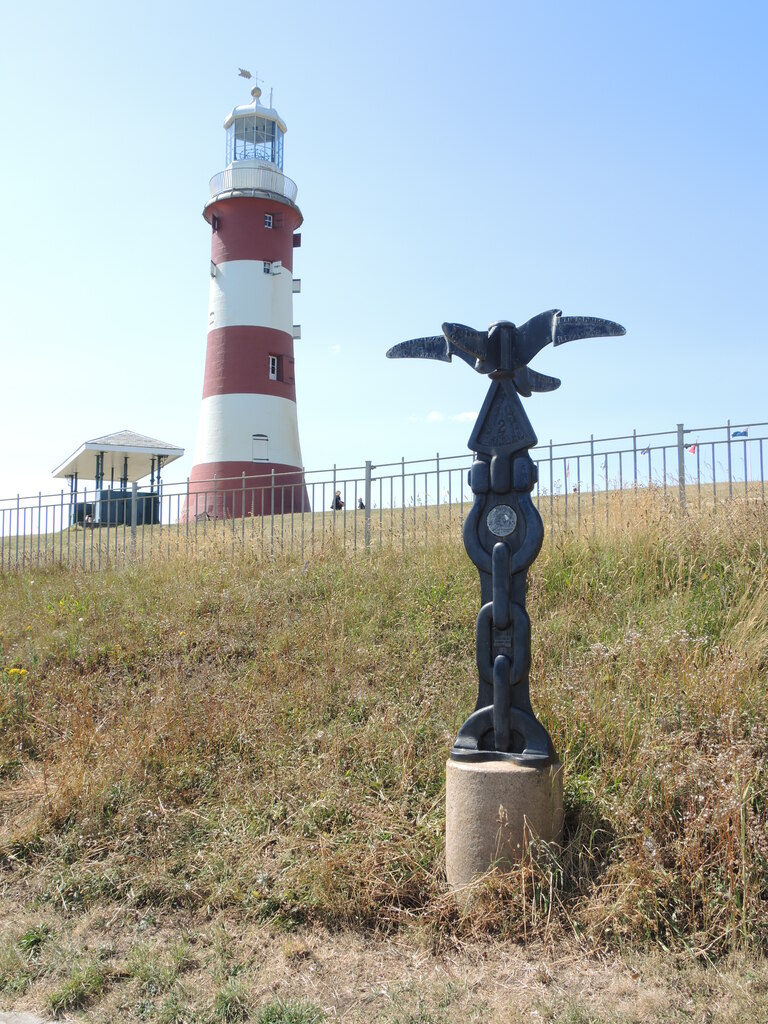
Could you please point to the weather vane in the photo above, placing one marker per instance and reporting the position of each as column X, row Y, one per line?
column 503, row 531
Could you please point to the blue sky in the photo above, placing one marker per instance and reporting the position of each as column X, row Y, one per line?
column 454, row 162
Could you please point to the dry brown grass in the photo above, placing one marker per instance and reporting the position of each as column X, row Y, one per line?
column 264, row 739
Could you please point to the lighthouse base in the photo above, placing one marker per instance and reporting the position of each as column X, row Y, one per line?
column 235, row 490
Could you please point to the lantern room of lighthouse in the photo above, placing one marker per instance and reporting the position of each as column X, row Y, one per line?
column 254, row 133
column 247, row 457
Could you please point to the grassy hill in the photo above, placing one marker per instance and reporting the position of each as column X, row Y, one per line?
column 258, row 746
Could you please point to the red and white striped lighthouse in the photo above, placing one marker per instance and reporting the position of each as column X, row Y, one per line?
column 247, row 458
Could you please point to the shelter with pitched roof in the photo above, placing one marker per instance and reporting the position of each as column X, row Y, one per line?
column 113, row 462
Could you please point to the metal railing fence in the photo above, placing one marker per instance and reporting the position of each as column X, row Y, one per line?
column 397, row 503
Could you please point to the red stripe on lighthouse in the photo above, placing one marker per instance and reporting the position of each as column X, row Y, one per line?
column 237, row 362
column 239, row 231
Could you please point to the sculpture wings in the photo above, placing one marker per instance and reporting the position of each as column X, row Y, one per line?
column 505, row 350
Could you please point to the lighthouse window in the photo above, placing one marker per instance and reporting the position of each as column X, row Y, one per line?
column 267, row 220
column 273, row 367
column 267, row 267
column 255, row 138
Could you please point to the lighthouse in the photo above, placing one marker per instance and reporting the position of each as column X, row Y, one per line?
column 247, row 457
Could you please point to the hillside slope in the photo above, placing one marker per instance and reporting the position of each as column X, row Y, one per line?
column 266, row 740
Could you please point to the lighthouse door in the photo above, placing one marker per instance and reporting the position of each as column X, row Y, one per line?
column 260, row 448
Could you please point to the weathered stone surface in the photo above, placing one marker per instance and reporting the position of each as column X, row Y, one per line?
column 493, row 809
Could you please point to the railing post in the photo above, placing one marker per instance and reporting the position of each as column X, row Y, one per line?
column 437, row 486
column 402, row 504
column 367, row 499
column 134, row 516
column 304, row 496
column 272, row 514
column 551, row 491
column 681, row 463
column 39, row 522
column 730, row 468
column 85, row 506
column 61, row 531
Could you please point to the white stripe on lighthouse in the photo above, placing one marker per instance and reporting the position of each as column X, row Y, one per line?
column 228, row 424
column 243, row 295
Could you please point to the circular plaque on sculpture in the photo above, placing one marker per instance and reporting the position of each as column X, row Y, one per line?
column 501, row 520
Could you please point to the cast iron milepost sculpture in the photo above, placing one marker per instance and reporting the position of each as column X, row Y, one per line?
column 503, row 531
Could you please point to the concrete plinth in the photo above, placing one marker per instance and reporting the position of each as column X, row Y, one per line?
column 492, row 809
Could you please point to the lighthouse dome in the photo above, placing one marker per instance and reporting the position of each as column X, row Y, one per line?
column 255, row 133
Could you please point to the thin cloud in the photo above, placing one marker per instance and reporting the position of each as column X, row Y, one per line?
column 435, row 416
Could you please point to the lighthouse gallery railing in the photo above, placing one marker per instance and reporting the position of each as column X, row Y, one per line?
column 253, row 179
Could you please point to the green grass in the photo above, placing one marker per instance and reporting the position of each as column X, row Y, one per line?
column 82, row 985
column 267, row 737
column 279, row 1012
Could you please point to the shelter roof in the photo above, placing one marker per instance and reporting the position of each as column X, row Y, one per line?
column 138, row 449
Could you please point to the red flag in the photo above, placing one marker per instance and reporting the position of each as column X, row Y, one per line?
column 692, row 449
